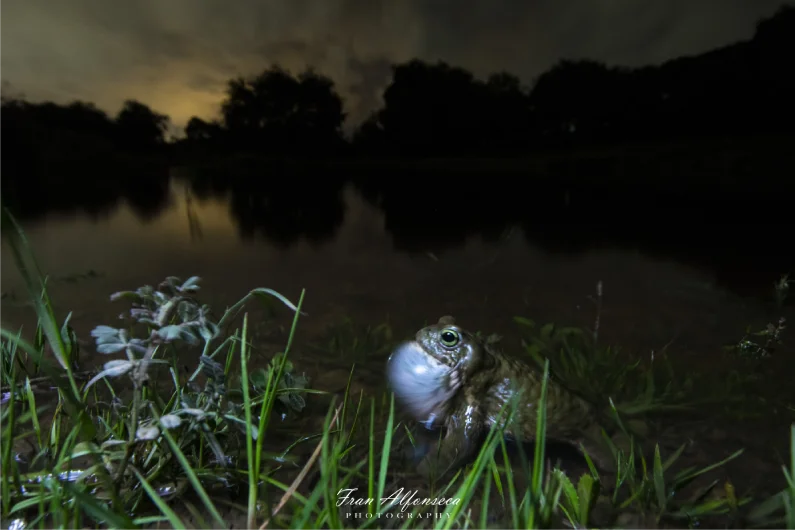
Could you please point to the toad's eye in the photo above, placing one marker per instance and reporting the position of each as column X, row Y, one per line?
column 450, row 338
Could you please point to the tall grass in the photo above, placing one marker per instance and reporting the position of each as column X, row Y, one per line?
column 127, row 448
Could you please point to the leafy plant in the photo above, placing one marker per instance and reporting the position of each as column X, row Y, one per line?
column 749, row 346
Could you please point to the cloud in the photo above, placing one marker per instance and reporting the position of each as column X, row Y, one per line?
column 177, row 55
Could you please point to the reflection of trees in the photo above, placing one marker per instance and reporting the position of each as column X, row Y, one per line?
column 433, row 212
column 310, row 208
column 194, row 224
column 95, row 189
column 209, row 182
column 426, row 212
column 280, row 204
column 148, row 192
column 734, row 250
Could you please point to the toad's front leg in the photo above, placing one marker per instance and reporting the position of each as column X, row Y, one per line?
column 463, row 435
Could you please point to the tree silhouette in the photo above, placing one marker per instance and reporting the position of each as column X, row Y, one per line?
column 369, row 138
column 774, row 42
column 442, row 110
column 581, row 99
column 436, row 109
column 77, row 117
column 432, row 109
column 37, row 135
column 277, row 112
column 508, row 122
column 139, row 127
column 87, row 118
column 204, row 135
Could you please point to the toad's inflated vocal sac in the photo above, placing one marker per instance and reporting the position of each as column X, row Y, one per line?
column 450, row 378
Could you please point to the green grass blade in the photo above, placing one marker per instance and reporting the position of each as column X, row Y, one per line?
column 659, row 481
column 167, row 512
column 191, row 475
column 253, row 469
column 96, row 510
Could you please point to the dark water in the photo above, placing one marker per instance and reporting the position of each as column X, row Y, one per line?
column 411, row 257
column 690, row 283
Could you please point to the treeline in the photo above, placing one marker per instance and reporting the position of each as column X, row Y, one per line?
column 443, row 110
column 435, row 109
column 57, row 156
column 30, row 127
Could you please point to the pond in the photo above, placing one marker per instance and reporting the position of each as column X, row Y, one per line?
column 360, row 265
column 697, row 296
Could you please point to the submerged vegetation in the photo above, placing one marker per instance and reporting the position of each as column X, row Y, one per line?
column 145, row 442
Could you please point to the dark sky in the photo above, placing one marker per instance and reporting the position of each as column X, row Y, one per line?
column 175, row 55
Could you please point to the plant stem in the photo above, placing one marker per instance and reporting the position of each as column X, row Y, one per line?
column 131, row 443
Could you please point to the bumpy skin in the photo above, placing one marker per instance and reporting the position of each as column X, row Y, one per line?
column 478, row 381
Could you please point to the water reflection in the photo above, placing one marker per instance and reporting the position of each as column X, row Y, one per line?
column 417, row 211
column 375, row 250
column 286, row 213
column 94, row 190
